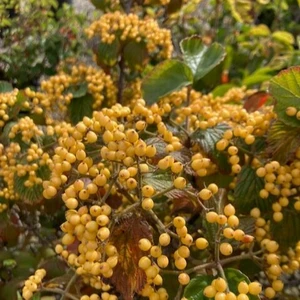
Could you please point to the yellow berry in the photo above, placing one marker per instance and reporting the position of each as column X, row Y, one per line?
column 201, row 243
column 183, row 278
column 179, row 183
column 226, row 249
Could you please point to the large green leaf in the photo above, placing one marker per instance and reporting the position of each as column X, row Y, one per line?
column 160, row 180
column 283, row 141
column 246, row 193
column 234, row 277
column 167, row 77
column 78, row 90
column 5, row 87
column 285, row 88
column 199, row 57
column 259, row 76
column 289, row 225
column 80, row 107
column 194, row 290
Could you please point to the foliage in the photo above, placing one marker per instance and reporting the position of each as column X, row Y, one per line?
column 124, row 179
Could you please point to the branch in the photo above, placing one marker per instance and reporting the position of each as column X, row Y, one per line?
column 72, row 280
column 121, row 80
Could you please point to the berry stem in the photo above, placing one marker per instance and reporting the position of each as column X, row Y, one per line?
column 71, row 281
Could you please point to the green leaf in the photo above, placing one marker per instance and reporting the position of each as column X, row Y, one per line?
column 289, row 226
column 107, row 54
column 201, row 58
column 234, row 277
column 135, row 55
column 222, row 89
column 259, row 76
column 80, row 107
column 33, row 194
column 194, row 290
column 5, row 87
column 285, row 88
column 207, row 138
column 282, row 141
column 283, row 37
column 169, row 76
column 159, row 180
column 246, row 193
column 78, row 90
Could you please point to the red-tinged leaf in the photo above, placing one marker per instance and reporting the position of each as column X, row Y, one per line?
column 283, row 141
column 128, row 278
column 182, row 202
column 256, row 100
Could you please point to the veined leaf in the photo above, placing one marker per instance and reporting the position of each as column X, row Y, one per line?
column 285, row 88
column 290, row 226
column 31, row 195
column 282, row 141
column 128, row 278
column 107, row 54
column 160, row 180
column 199, row 57
column 167, row 77
column 246, row 193
column 81, row 107
column 194, row 290
column 135, row 55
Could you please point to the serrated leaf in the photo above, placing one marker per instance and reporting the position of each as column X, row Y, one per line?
column 34, row 194
column 234, row 277
column 127, row 277
column 207, row 138
column 246, row 193
column 285, row 88
column 135, row 55
column 169, row 76
column 160, row 180
column 194, row 290
column 289, row 226
column 80, row 107
column 282, row 141
column 78, row 90
column 5, row 87
column 199, row 57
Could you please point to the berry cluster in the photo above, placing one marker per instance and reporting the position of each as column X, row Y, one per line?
column 32, row 283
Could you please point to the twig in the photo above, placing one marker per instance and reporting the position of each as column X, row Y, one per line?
column 161, row 193
column 59, row 291
column 71, row 281
column 121, row 79
column 179, row 292
column 111, row 184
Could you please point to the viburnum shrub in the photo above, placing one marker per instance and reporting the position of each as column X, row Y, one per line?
column 160, row 191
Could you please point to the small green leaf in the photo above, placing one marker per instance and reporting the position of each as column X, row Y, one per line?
column 246, row 193
column 194, row 290
column 80, row 107
column 167, row 77
column 290, row 226
column 135, row 55
column 283, row 37
column 78, row 90
column 9, row 263
column 160, row 180
column 285, row 88
column 234, row 277
column 107, row 54
column 207, row 138
column 282, row 141
column 5, row 87
column 201, row 58
column 222, row 89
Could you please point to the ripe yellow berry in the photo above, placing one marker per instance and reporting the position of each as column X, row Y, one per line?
column 179, row 222
column 209, row 291
column 184, row 251
column 230, row 296
column 213, row 188
column 255, row 288
column 226, row 249
column 180, row 263
column 183, row 278
column 163, row 261
column 164, row 239
column 242, row 297
column 238, row 235
column 269, row 293
column 221, row 219
column 187, row 240
column 144, row 244
column 147, row 191
column 180, row 183
column 243, row 287
column 291, row 111
column 155, row 251
column 147, row 204
column 103, row 233
column 233, row 221
column 228, row 233
column 229, row 210
column 205, row 194
column 201, row 243
column 277, row 285
column 220, row 284
column 144, row 262
column 211, row 217
column 176, row 167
